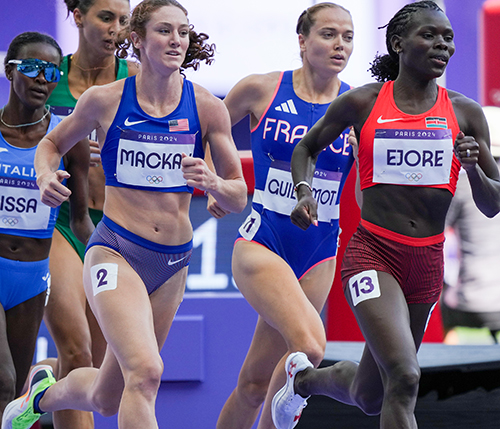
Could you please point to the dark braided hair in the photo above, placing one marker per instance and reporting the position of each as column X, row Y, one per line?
column 386, row 67
column 197, row 51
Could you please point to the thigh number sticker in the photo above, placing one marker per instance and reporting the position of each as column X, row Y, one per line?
column 104, row 277
column 364, row 286
column 250, row 226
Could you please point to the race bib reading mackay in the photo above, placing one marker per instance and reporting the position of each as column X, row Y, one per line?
column 152, row 159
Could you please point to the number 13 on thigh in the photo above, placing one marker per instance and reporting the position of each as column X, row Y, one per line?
column 364, row 286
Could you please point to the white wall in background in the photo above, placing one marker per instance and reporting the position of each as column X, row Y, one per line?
column 258, row 37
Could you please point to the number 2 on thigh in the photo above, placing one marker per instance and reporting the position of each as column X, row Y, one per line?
column 104, row 277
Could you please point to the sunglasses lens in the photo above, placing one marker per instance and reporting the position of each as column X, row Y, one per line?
column 52, row 74
column 32, row 69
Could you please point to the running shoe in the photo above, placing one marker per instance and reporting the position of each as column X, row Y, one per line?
column 20, row 414
column 287, row 406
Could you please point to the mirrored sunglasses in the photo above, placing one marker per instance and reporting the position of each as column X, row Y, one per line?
column 32, row 67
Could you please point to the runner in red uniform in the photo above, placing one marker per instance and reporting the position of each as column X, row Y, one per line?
column 412, row 134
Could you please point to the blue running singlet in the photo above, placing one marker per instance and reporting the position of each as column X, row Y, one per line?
column 21, row 211
column 285, row 121
column 143, row 152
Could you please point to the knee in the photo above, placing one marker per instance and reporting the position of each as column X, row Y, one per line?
column 104, row 399
column 252, row 389
column 145, row 378
column 311, row 340
column 74, row 356
column 106, row 405
column 369, row 403
column 368, row 398
column 401, row 386
column 402, row 383
column 314, row 348
column 7, row 386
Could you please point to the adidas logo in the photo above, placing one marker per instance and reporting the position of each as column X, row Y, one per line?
column 287, row 107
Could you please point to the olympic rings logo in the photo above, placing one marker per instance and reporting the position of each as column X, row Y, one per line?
column 413, row 177
column 154, row 180
column 10, row 221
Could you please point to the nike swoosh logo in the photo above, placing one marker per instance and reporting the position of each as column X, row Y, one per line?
column 383, row 121
column 170, row 262
column 3, row 150
column 129, row 124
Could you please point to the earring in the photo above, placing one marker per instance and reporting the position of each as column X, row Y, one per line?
column 398, row 51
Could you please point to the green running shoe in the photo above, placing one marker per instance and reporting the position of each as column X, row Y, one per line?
column 19, row 414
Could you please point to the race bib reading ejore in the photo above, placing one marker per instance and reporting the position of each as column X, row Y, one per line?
column 412, row 157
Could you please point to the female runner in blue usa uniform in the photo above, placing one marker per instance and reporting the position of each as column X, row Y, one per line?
column 150, row 129
column 279, row 268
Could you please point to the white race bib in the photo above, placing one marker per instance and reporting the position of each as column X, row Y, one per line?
column 21, row 208
column 279, row 196
column 412, row 157
column 152, row 159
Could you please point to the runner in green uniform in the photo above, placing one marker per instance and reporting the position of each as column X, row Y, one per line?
column 70, row 322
